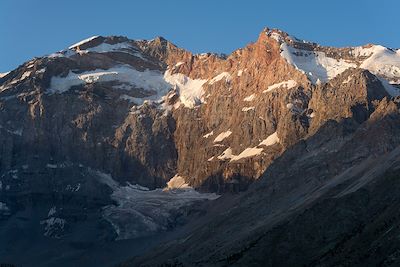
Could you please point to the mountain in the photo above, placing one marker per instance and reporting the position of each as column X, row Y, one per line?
column 282, row 153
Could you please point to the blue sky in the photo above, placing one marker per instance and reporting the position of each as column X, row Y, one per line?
column 31, row 28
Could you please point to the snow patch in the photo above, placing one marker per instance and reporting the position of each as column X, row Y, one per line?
column 227, row 154
column 222, row 136
column 270, row 140
column 245, row 109
column 223, row 75
column 247, row 153
column 209, row 134
column 250, row 98
column 285, row 84
column 177, row 182
column 190, row 91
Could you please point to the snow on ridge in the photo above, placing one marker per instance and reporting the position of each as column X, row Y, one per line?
column 149, row 80
column 316, row 65
column 224, row 75
column 382, row 62
column 83, row 42
column 190, row 90
column 378, row 59
column 4, row 74
column 222, row 136
column 286, row 84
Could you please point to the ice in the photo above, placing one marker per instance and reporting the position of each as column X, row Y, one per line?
column 142, row 212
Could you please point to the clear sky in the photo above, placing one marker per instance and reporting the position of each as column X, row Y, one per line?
column 31, row 28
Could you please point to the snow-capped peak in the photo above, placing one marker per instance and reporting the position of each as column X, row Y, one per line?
column 381, row 61
column 83, row 42
column 319, row 65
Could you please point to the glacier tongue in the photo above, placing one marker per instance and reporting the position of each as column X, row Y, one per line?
column 142, row 212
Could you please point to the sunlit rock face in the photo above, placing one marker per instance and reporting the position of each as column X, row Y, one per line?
column 134, row 139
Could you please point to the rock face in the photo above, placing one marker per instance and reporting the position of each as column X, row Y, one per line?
column 88, row 127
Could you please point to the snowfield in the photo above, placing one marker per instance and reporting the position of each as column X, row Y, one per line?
column 190, row 90
column 316, row 65
column 149, row 80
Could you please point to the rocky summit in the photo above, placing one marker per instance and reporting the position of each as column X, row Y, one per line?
column 119, row 152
